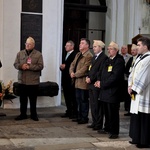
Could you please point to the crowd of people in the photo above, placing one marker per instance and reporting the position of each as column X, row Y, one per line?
column 97, row 81
column 100, row 82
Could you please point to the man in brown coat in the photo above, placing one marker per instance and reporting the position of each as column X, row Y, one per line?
column 78, row 72
column 29, row 63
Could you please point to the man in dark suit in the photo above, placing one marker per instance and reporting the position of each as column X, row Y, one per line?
column 128, row 70
column 110, row 84
column 96, row 107
column 68, row 87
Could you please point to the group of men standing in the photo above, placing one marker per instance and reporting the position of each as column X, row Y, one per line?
column 96, row 80
column 99, row 80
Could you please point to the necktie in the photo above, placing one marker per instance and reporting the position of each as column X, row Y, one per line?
column 67, row 56
column 96, row 57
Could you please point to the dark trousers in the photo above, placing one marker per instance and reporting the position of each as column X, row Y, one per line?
column 28, row 91
column 96, row 108
column 70, row 100
column 140, row 128
column 127, row 98
column 83, row 103
column 112, row 117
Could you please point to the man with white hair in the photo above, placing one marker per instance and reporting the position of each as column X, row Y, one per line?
column 96, row 108
column 110, row 84
column 29, row 63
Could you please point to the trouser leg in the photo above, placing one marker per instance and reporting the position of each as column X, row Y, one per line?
column 33, row 90
column 23, row 100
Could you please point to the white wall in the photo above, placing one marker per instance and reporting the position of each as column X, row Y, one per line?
column 51, row 44
column 123, row 19
column 10, row 37
column 1, row 35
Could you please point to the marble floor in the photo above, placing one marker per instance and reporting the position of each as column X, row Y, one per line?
column 52, row 132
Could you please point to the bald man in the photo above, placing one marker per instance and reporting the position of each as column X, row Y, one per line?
column 29, row 63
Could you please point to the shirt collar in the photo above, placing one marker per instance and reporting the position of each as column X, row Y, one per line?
column 70, row 52
column 112, row 57
column 98, row 54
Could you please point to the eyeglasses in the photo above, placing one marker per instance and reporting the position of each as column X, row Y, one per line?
column 28, row 44
column 68, row 45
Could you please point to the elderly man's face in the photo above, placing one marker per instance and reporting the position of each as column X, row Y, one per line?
column 112, row 51
column 96, row 49
column 134, row 52
column 29, row 45
column 124, row 50
column 69, row 47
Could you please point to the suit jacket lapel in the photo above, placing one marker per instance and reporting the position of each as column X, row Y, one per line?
column 95, row 61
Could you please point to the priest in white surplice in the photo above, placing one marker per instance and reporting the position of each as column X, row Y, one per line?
column 139, row 89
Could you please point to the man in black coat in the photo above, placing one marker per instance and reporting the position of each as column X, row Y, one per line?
column 68, row 87
column 96, row 108
column 110, row 85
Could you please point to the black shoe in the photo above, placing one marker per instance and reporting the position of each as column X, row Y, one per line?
column 132, row 142
column 76, row 120
column 102, row 131
column 113, row 136
column 127, row 114
column 142, row 146
column 65, row 116
column 20, row 117
column 73, row 117
column 97, row 128
column 35, row 118
column 83, row 121
column 91, row 126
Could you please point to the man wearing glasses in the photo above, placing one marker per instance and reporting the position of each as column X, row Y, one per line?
column 29, row 63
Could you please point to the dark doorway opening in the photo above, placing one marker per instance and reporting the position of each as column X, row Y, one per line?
column 75, row 24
